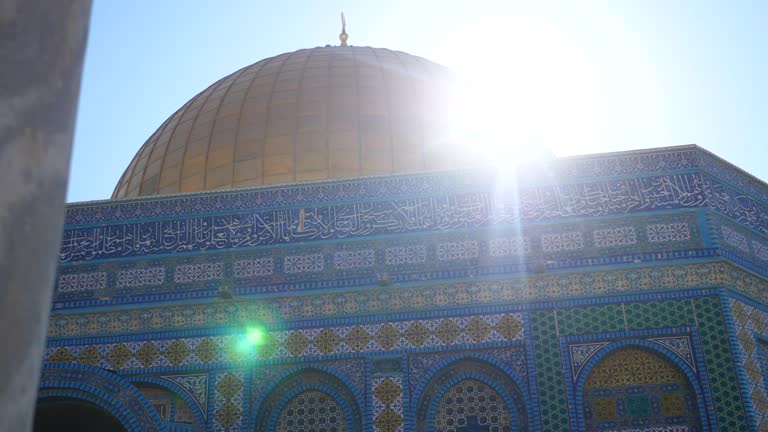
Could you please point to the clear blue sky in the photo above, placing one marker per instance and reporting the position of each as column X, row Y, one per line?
column 668, row 72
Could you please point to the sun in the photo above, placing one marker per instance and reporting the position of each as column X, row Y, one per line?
column 524, row 90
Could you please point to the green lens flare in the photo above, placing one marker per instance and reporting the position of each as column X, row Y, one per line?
column 251, row 339
column 254, row 336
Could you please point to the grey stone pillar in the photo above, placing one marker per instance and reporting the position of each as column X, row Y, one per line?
column 41, row 55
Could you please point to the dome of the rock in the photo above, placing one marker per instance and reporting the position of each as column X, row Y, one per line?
column 313, row 114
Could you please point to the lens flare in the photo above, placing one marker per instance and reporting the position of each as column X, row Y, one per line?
column 251, row 339
column 527, row 90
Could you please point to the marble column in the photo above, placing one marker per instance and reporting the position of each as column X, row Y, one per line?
column 42, row 44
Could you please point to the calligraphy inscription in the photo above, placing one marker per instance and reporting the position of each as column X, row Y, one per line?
column 438, row 213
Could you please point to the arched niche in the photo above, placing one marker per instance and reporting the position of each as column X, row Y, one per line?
column 179, row 413
column 635, row 387
column 73, row 413
column 471, row 395
column 310, row 400
column 94, row 390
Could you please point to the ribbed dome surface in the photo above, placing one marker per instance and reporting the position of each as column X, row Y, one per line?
column 313, row 114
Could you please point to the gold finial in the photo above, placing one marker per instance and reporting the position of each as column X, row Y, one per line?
column 343, row 36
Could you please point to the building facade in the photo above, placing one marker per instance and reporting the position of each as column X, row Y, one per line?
column 378, row 291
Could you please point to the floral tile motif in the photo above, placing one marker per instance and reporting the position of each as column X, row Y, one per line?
column 677, row 277
column 195, row 384
column 228, row 401
column 754, row 355
column 438, row 332
column 387, row 403
column 333, row 263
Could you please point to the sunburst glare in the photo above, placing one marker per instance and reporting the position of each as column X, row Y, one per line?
column 525, row 91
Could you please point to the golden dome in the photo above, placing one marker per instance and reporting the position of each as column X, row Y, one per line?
column 313, row 114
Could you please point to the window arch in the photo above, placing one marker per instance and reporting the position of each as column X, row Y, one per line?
column 312, row 411
column 471, row 395
column 105, row 390
column 635, row 387
column 312, row 401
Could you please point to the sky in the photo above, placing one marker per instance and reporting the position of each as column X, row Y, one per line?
column 574, row 76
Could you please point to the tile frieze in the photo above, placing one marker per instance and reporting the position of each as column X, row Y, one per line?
column 410, row 298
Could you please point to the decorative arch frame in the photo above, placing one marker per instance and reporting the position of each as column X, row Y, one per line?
column 108, row 391
column 702, row 398
column 419, row 405
column 194, row 405
column 351, row 403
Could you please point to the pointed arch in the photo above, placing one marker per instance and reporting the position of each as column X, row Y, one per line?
column 309, row 397
column 177, row 390
column 470, row 391
column 638, row 382
column 106, row 390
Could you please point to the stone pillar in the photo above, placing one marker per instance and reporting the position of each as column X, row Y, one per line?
column 41, row 55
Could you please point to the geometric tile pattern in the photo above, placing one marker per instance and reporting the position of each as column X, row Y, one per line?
column 422, row 365
column 254, row 268
column 426, row 255
column 472, row 405
column 305, row 399
column 470, row 395
column 633, row 387
column 553, row 403
column 721, row 369
column 395, row 216
column 82, row 281
column 228, row 401
column 750, row 321
column 312, row 411
column 431, row 254
column 304, row 263
column 500, row 247
column 547, row 326
column 387, row 404
column 565, row 241
column 680, row 345
column 760, row 249
column 439, row 332
column 647, row 162
column 612, row 237
column 667, row 232
column 581, row 353
column 352, row 259
column 196, row 385
column 375, row 301
column 452, row 251
column 734, row 238
column 140, row 277
column 463, row 217
column 198, row 272
column 399, row 255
